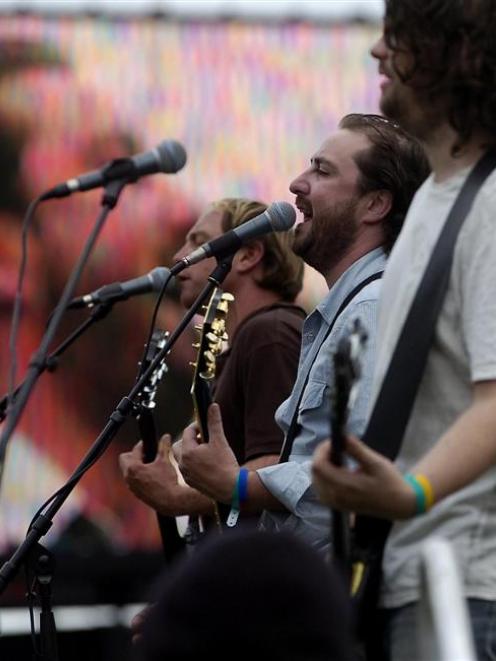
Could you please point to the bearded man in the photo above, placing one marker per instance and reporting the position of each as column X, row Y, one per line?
column 353, row 197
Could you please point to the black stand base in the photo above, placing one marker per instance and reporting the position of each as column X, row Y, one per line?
column 40, row 566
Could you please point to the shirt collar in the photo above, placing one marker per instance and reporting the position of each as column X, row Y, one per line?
column 367, row 265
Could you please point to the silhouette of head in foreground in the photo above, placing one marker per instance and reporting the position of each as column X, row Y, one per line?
column 245, row 595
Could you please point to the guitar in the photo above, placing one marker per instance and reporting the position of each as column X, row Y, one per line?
column 210, row 344
column 172, row 542
column 347, row 371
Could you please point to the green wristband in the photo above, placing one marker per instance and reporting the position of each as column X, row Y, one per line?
column 421, row 505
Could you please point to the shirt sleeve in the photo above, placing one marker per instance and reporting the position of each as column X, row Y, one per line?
column 291, row 482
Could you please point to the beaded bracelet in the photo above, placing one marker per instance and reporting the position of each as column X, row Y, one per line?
column 240, row 494
column 424, row 493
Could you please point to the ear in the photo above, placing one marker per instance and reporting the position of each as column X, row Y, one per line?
column 248, row 257
column 376, row 205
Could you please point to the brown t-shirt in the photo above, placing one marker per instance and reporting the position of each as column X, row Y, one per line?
column 255, row 375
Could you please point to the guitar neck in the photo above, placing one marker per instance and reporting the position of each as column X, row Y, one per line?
column 148, row 435
column 212, row 336
column 202, row 398
column 340, row 521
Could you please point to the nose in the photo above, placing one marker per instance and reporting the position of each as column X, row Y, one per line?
column 379, row 49
column 300, row 185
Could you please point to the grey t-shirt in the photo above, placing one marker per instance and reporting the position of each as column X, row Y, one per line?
column 464, row 351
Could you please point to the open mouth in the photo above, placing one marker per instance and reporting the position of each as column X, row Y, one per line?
column 384, row 80
column 305, row 209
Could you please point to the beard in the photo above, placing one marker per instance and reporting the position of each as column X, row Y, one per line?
column 328, row 236
column 416, row 111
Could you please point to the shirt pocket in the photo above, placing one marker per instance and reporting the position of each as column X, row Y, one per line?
column 313, row 420
column 312, row 397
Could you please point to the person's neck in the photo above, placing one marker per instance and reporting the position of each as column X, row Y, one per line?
column 443, row 163
column 361, row 247
column 248, row 298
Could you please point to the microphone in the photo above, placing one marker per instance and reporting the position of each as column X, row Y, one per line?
column 169, row 156
column 119, row 291
column 279, row 217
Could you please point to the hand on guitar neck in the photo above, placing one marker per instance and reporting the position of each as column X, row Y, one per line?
column 147, row 469
column 210, row 467
column 152, row 472
column 157, row 483
column 361, row 489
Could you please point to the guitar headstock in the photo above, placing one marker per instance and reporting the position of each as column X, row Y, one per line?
column 149, row 391
column 211, row 342
column 347, row 372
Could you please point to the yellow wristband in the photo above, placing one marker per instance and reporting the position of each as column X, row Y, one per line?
column 428, row 490
column 424, row 494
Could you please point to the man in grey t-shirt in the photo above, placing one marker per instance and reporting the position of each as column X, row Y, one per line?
column 437, row 60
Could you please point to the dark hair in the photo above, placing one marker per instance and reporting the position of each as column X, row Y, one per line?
column 282, row 269
column 395, row 162
column 245, row 595
column 453, row 48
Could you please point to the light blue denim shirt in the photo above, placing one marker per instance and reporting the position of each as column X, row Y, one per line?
column 291, row 482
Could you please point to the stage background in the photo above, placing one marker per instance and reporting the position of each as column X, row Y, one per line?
column 250, row 101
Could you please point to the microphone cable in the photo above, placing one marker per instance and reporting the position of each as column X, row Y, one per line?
column 17, row 309
column 153, row 324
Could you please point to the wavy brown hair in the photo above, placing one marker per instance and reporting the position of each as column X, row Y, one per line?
column 453, row 45
column 395, row 162
column 282, row 269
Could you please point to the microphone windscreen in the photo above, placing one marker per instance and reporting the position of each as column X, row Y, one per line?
column 282, row 216
column 171, row 155
column 158, row 276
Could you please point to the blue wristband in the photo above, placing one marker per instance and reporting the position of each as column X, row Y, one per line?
column 242, row 485
column 240, row 494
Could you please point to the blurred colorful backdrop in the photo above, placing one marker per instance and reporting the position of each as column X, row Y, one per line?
column 250, row 101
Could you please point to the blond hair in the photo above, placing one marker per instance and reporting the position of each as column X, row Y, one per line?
column 282, row 269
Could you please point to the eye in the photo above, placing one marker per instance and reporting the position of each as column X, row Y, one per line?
column 321, row 170
column 390, row 38
column 197, row 240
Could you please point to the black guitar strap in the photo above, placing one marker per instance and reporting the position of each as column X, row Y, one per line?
column 384, row 432
column 293, row 427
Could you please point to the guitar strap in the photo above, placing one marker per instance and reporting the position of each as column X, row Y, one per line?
column 294, row 427
column 384, row 432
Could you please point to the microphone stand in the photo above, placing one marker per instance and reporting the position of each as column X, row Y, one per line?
column 98, row 312
column 38, row 362
column 43, row 521
column 41, row 564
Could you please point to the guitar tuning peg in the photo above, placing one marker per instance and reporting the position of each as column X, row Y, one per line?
column 198, row 327
column 196, row 345
column 209, row 356
column 228, row 297
column 193, row 364
column 223, row 307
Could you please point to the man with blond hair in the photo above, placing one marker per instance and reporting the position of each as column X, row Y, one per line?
column 257, row 371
